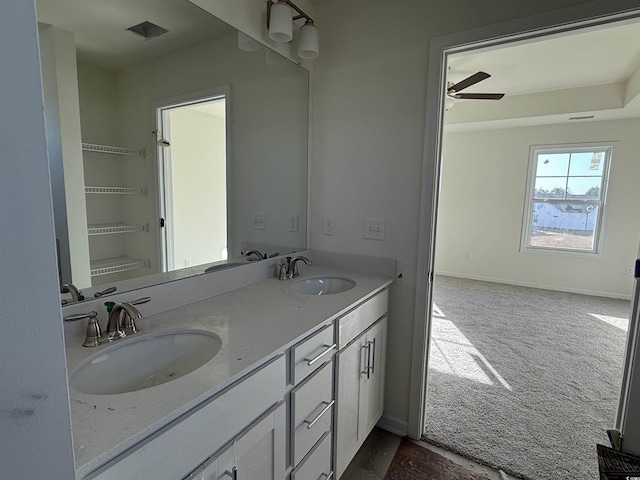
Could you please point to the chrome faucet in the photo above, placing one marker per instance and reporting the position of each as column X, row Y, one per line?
column 71, row 289
column 292, row 270
column 257, row 254
column 116, row 327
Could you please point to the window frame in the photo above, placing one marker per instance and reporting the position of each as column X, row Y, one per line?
column 534, row 152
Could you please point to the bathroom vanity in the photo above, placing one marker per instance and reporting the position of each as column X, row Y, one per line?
column 296, row 386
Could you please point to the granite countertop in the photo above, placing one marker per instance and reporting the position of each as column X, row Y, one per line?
column 255, row 323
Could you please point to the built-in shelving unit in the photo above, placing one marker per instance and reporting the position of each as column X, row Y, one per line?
column 94, row 147
column 111, row 228
column 104, row 266
column 115, row 190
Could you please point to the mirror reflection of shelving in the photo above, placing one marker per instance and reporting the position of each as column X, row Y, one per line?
column 108, row 225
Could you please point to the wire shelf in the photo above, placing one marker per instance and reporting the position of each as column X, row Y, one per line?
column 116, row 190
column 93, row 147
column 111, row 228
column 114, row 265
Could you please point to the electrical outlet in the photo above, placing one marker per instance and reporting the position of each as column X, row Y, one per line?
column 187, row 262
column 329, row 225
column 630, row 271
column 374, row 228
column 467, row 255
column 293, row 222
column 258, row 221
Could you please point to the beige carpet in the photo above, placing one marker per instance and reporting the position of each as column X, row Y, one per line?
column 526, row 380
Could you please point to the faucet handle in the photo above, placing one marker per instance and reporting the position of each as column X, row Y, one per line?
column 106, row 291
column 140, row 301
column 92, row 337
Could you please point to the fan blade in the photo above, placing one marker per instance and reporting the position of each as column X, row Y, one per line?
column 479, row 96
column 467, row 82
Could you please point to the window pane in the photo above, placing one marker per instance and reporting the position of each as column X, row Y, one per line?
column 550, row 187
column 552, row 164
column 587, row 188
column 563, row 225
column 587, row 164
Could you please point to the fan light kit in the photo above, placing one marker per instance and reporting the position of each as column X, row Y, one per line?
column 453, row 90
column 280, row 18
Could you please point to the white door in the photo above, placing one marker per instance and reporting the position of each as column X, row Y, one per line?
column 628, row 417
column 194, row 181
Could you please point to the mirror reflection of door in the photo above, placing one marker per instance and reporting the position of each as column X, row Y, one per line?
column 193, row 173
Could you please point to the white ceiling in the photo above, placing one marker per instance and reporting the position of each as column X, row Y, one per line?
column 101, row 28
column 596, row 72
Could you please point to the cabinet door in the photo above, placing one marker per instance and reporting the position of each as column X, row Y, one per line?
column 372, row 390
column 258, row 454
column 349, row 365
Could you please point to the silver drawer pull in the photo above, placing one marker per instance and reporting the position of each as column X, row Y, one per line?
column 327, row 477
column 311, row 361
column 311, row 423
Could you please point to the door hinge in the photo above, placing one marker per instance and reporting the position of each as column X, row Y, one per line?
column 162, row 223
column 636, row 274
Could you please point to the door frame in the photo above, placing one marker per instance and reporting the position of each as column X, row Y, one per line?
column 163, row 166
column 559, row 22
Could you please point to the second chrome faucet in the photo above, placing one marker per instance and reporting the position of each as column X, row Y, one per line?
column 122, row 317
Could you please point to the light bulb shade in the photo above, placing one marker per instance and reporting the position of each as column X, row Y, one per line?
column 281, row 23
column 247, row 44
column 308, row 44
column 448, row 102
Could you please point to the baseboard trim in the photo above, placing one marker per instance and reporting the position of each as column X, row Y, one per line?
column 536, row 285
column 393, row 425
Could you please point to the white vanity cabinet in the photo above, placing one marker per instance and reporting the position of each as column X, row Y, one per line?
column 258, row 453
column 312, row 403
column 360, row 366
column 182, row 446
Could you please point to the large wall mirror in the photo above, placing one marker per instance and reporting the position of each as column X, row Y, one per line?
column 176, row 143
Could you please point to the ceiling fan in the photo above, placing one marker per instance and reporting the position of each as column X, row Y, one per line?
column 453, row 90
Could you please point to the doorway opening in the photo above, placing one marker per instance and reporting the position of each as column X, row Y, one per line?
column 437, row 144
column 194, row 180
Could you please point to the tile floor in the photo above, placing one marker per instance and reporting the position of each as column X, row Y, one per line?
column 374, row 458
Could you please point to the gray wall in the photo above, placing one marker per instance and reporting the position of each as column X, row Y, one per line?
column 35, row 428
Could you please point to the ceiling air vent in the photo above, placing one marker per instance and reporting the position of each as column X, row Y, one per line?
column 148, row 30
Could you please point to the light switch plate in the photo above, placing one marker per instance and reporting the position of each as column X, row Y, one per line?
column 374, row 229
column 329, row 225
column 293, row 222
column 258, row 221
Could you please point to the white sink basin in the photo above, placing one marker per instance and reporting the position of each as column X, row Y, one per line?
column 137, row 363
column 323, row 285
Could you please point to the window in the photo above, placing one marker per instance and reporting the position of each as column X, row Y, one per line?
column 566, row 195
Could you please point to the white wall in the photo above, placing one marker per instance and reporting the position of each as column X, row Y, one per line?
column 199, row 185
column 484, row 182
column 368, row 130
column 35, row 425
column 58, row 56
column 268, row 131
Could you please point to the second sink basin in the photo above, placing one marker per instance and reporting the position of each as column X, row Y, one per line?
column 135, row 364
column 323, row 285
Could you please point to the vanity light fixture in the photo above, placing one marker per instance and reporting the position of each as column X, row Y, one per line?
column 280, row 18
column 247, row 44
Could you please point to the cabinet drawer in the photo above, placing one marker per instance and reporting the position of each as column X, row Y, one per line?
column 316, row 465
column 358, row 320
column 186, row 442
column 311, row 353
column 311, row 411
